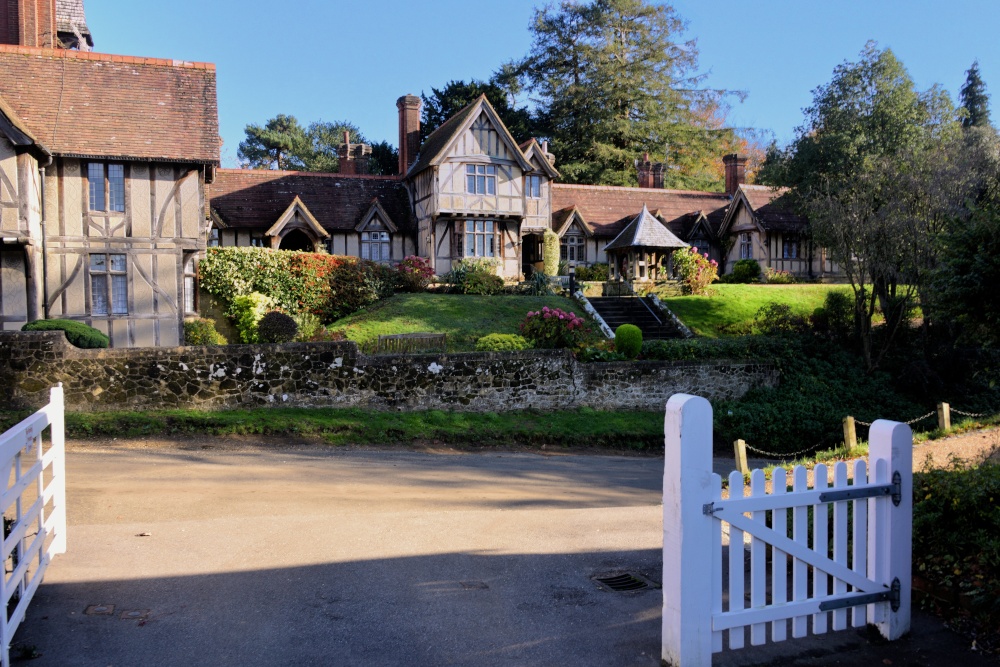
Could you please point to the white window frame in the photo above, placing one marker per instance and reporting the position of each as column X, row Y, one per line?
column 481, row 179
column 573, row 248
column 533, row 186
column 109, row 284
column 746, row 246
column 376, row 246
column 191, row 284
column 479, row 239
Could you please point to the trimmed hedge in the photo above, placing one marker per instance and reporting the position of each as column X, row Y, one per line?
column 201, row 331
column 502, row 343
column 77, row 333
column 628, row 340
column 276, row 327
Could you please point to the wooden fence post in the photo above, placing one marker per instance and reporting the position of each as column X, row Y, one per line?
column 687, row 532
column 740, row 447
column 850, row 433
column 890, row 527
column 944, row 416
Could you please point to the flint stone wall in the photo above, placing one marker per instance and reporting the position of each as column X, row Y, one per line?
column 337, row 375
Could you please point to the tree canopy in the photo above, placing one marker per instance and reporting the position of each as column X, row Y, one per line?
column 611, row 81
column 443, row 103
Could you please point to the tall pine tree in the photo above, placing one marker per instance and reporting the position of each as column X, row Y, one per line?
column 974, row 98
column 612, row 81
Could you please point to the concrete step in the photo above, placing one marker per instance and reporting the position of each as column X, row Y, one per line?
column 631, row 310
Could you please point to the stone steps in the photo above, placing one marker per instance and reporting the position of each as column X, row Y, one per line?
column 634, row 310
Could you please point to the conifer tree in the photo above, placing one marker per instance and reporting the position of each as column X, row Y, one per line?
column 612, row 80
column 974, row 99
column 279, row 144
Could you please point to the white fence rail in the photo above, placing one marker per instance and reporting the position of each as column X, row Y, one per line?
column 825, row 555
column 34, row 509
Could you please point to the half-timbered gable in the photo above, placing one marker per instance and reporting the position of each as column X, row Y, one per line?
column 468, row 186
column 761, row 225
column 356, row 215
column 120, row 204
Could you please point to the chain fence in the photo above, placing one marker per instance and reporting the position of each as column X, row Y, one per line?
column 784, row 456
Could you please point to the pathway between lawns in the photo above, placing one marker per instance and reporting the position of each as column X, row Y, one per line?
column 206, row 552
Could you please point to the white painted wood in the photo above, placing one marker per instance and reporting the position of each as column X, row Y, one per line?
column 800, row 533
column 779, row 561
column 820, row 543
column 840, row 541
column 893, row 442
column 758, row 560
column 877, row 517
column 716, row 588
column 740, row 619
column 687, row 532
column 859, row 532
column 737, row 560
column 771, row 502
column 23, row 464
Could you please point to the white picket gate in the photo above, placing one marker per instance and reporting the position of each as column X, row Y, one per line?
column 34, row 509
column 863, row 573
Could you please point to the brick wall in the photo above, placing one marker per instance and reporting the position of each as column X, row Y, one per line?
column 337, row 375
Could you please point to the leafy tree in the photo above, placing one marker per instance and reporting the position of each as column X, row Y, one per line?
column 280, row 144
column 612, row 81
column 384, row 160
column 443, row 103
column 324, row 140
column 880, row 170
column 974, row 99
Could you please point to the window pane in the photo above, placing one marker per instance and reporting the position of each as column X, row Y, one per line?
column 470, row 248
column 470, row 185
column 491, row 185
column 364, row 236
column 98, row 263
column 479, row 245
column 469, row 226
column 116, row 187
column 489, row 225
column 490, row 169
column 118, row 263
column 563, row 251
column 364, row 250
column 189, row 294
column 385, row 251
column 470, row 169
column 99, row 294
column 375, row 254
column 480, row 185
column 95, row 177
column 490, row 240
column 119, row 297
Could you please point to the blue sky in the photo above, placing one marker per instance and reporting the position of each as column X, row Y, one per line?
column 336, row 60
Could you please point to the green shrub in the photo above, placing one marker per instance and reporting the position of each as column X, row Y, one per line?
column 475, row 276
column 295, row 281
column 594, row 272
column 77, row 333
column 550, row 253
column 550, row 328
column 956, row 533
column 246, row 312
column 628, row 340
column 538, row 285
column 356, row 284
column 485, row 284
column 778, row 318
column 502, row 343
column 201, row 331
column 696, row 270
column 836, row 316
column 745, row 271
column 776, row 277
column 276, row 327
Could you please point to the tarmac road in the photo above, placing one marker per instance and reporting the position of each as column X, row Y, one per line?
column 188, row 553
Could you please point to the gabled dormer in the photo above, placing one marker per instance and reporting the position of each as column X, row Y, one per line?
column 376, row 231
column 471, row 165
column 538, row 185
column 297, row 229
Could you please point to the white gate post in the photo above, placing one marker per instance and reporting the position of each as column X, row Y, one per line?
column 891, row 525
column 687, row 532
column 57, row 418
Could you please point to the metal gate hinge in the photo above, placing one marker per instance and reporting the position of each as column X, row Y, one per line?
column 708, row 509
column 894, row 593
column 897, row 489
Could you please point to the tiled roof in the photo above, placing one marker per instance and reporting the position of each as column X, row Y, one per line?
column 69, row 14
column 6, row 111
column 439, row 139
column 773, row 208
column 256, row 198
column 99, row 105
column 608, row 209
column 645, row 231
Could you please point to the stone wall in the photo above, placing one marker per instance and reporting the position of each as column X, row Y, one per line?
column 336, row 374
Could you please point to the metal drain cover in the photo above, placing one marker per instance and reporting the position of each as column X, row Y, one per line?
column 623, row 582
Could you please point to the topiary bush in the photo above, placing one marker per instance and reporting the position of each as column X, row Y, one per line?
column 745, row 271
column 628, row 340
column 550, row 253
column 502, row 343
column 201, row 331
column 276, row 327
column 77, row 333
column 246, row 312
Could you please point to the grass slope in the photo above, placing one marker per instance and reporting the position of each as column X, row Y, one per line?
column 465, row 318
column 732, row 304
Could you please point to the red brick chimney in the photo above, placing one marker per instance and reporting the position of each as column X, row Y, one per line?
column 353, row 158
column 736, row 164
column 645, row 170
column 28, row 23
column 409, row 131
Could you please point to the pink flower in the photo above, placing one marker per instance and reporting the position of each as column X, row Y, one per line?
column 694, row 249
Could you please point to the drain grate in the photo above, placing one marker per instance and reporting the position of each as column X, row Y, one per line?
column 623, row 582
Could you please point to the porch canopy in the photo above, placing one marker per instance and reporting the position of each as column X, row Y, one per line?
column 637, row 253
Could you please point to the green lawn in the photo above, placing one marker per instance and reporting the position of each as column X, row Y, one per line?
column 731, row 304
column 465, row 318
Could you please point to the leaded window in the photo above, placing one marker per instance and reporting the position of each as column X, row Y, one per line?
column 108, row 284
column 106, row 186
column 534, row 187
column 790, row 249
column 375, row 246
column 481, row 179
column 573, row 248
column 746, row 246
column 191, row 284
column 480, row 238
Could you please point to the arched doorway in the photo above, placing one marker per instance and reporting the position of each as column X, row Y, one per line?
column 297, row 240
